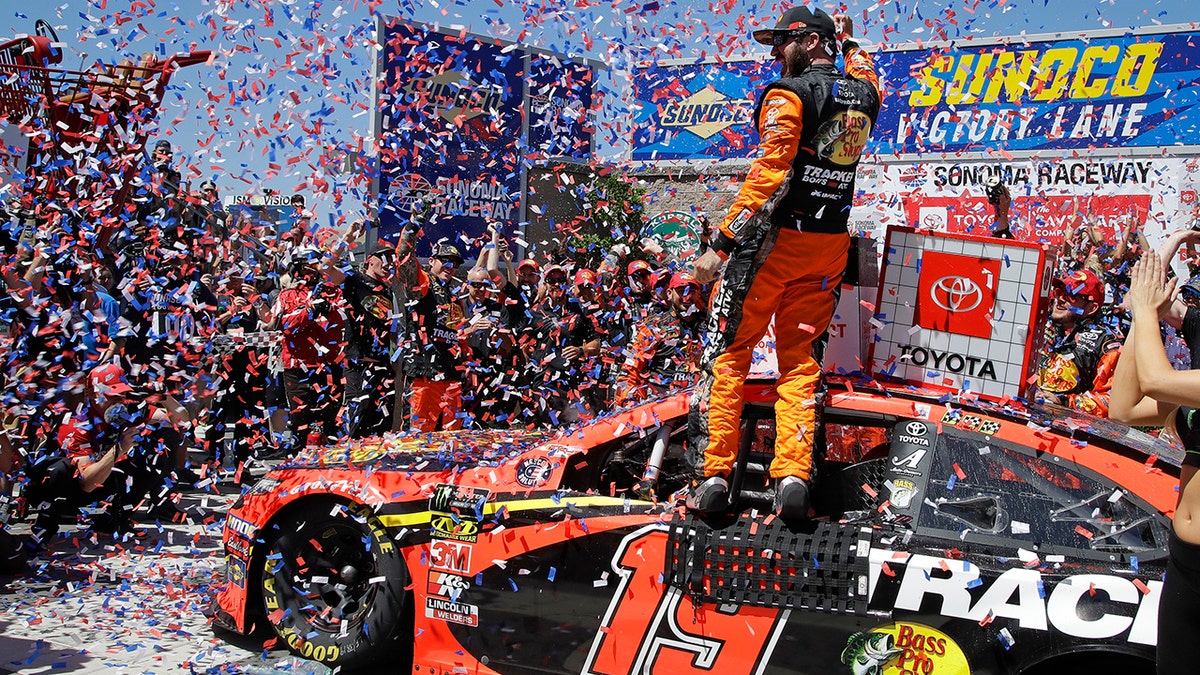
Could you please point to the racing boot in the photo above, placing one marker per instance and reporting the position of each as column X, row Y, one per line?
column 709, row 496
column 792, row 498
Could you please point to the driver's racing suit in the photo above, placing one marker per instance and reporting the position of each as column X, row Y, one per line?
column 786, row 240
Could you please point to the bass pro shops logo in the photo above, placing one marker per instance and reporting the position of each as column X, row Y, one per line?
column 957, row 293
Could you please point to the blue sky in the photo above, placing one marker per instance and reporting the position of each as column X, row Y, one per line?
column 292, row 79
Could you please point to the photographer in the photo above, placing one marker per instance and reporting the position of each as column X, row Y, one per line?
column 114, row 448
column 1001, row 200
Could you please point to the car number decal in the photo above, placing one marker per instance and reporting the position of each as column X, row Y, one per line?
column 653, row 628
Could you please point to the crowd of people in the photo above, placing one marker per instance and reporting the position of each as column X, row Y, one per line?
column 198, row 333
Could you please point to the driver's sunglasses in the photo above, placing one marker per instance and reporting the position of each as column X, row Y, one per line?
column 781, row 39
column 447, row 262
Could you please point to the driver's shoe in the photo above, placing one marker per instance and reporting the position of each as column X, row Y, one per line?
column 792, row 498
column 709, row 496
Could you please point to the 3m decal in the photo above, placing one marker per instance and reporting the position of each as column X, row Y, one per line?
column 1073, row 606
column 452, row 612
column 456, row 512
column 652, row 628
column 903, row 648
column 450, row 556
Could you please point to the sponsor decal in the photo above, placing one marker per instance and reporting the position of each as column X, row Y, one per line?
column 452, row 612
column 902, row 648
column 957, row 293
column 450, row 556
column 841, row 139
column 238, row 547
column 989, row 427
column 902, row 492
column 242, row 528
column 650, row 626
column 456, row 512
column 706, row 112
column 447, row 585
column 915, row 428
column 235, row 571
column 677, row 232
column 1087, row 606
column 534, row 472
column 948, row 361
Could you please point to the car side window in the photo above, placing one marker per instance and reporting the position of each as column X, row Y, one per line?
column 995, row 491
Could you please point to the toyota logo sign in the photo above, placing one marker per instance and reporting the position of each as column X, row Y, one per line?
column 914, row 429
column 956, row 294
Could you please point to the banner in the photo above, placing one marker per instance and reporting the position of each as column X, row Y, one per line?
column 1156, row 194
column 560, row 108
column 698, row 111
column 453, row 114
column 1125, row 91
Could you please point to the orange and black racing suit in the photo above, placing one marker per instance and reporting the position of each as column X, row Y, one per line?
column 786, row 242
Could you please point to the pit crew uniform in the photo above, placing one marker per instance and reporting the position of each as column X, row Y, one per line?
column 786, row 241
column 433, row 354
column 1078, row 367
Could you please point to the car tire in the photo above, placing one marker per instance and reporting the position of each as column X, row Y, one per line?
column 333, row 585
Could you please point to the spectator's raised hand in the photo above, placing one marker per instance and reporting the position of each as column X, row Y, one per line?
column 1150, row 294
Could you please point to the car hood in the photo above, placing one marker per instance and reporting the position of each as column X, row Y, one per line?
column 416, row 451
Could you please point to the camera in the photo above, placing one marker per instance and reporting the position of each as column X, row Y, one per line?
column 995, row 189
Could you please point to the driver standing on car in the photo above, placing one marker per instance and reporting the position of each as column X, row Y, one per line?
column 783, row 245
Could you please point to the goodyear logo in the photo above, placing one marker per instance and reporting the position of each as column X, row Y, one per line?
column 452, row 95
column 705, row 113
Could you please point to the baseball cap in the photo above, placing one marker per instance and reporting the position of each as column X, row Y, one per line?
column 637, row 266
column 528, row 262
column 551, row 269
column 798, row 19
column 1082, row 283
column 683, row 279
column 109, row 380
column 586, row 277
column 163, row 145
column 449, row 251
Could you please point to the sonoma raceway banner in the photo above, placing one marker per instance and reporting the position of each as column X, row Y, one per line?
column 451, row 128
column 1158, row 194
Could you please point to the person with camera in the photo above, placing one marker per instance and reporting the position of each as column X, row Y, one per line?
column 115, row 448
column 1001, row 200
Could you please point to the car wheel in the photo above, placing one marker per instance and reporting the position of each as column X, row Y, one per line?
column 333, row 585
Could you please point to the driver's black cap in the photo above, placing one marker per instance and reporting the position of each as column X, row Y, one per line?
column 799, row 19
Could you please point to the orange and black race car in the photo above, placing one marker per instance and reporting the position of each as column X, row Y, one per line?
column 948, row 535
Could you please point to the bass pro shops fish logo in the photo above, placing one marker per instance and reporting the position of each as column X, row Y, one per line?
column 868, row 653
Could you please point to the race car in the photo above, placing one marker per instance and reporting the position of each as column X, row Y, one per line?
column 948, row 534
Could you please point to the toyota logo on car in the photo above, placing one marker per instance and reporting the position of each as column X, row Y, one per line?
column 956, row 294
column 914, row 429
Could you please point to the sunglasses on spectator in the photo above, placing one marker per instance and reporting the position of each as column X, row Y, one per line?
column 558, row 281
column 485, row 285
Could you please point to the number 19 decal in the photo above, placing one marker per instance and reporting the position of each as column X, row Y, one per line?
column 652, row 628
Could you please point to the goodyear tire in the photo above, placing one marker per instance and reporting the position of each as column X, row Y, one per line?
column 333, row 585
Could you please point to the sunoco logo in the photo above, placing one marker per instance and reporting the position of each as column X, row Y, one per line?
column 452, row 94
column 956, row 294
column 915, row 429
column 706, row 112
